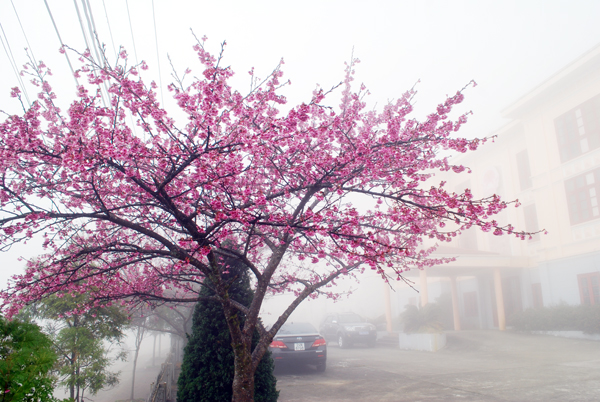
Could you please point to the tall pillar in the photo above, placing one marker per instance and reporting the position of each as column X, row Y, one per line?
column 388, row 307
column 499, row 300
column 423, row 290
column 455, row 311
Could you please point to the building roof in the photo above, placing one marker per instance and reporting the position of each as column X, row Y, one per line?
column 570, row 75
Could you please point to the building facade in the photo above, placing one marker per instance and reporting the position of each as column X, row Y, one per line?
column 547, row 157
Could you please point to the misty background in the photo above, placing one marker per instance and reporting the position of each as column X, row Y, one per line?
column 509, row 48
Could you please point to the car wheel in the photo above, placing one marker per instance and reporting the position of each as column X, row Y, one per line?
column 372, row 343
column 342, row 342
column 321, row 367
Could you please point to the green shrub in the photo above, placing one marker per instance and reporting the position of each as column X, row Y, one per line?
column 590, row 323
column 425, row 319
column 207, row 369
column 26, row 360
column 562, row 317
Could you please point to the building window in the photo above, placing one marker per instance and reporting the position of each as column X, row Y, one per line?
column 536, row 291
column 471, row 306
column 589, row 288
column 578, row 130
column 524, row 170
column 582, row 197
column 531, row 221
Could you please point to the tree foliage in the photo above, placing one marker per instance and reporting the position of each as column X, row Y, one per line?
column 170, row 318
column 207, row 370
column 424, row 319
column 144, row 212
column 560, row 317
column 79, row 340
column 26, row 361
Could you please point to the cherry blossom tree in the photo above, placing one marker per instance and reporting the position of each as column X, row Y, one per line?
column 146, row 212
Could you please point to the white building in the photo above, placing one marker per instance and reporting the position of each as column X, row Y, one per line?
column 547, row 157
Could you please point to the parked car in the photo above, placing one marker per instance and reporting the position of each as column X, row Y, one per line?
column 347, row 329
column 299, row 343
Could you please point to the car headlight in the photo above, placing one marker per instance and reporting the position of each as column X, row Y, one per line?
column 372, row 327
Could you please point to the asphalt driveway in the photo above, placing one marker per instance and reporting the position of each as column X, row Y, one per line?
column 474, row 366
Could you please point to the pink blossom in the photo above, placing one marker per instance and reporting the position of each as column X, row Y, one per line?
column 145, row 211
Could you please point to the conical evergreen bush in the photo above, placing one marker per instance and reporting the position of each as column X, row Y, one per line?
column 207, row 369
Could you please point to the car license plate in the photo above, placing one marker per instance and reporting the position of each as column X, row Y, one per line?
column 363, row 333
column 298, row 346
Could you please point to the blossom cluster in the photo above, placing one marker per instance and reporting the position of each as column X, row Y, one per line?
column 146, row 212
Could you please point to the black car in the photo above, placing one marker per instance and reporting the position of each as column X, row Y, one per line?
column 347, row 329
column 299, row 343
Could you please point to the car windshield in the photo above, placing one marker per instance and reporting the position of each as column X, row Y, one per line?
column 349, row 318
column 296, row 328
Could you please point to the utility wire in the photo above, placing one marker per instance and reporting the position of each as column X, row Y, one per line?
column 61, row 42
column 110, row 30
column 131, row 29
column 92, row 29
column 133, row 123
column 87, row 44
column 24, row 34
column 157, row 56
column 13, row 63
column 96, row 42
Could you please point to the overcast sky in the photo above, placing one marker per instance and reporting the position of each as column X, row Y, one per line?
column 507, row 47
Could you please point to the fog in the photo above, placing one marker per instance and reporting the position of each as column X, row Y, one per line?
column 153, row 353
column 519, row 317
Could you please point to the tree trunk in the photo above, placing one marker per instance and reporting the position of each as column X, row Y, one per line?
column 243, row 379
column 72, row 386
column 73, row 374
column 139, row 337
column 137, row 351
column 77, row 386
column 154, row 351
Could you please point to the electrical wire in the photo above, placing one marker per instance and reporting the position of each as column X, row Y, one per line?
column 110, row 30
column 92, row 29
column 61, row 43
column 131, row 29
column 24, row 34
column 13, row 64
column 157, row 55
column 100, row 56
column 87, row 44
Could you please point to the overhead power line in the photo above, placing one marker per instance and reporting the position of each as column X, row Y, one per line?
column 61, row 42
column 92, row 30
column 157, row 56
column 87, row 44
column 131, row 29
column 24, row 34
column 13, row 63
column 110, row 30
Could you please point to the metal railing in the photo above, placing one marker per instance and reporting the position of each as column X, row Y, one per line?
column 162, row 390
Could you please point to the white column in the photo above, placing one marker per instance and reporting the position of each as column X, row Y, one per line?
column 388, row 307
column 455, row 311
column 499, row 300
column 423, row 290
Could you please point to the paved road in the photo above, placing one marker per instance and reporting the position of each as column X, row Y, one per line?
column 475, row 366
